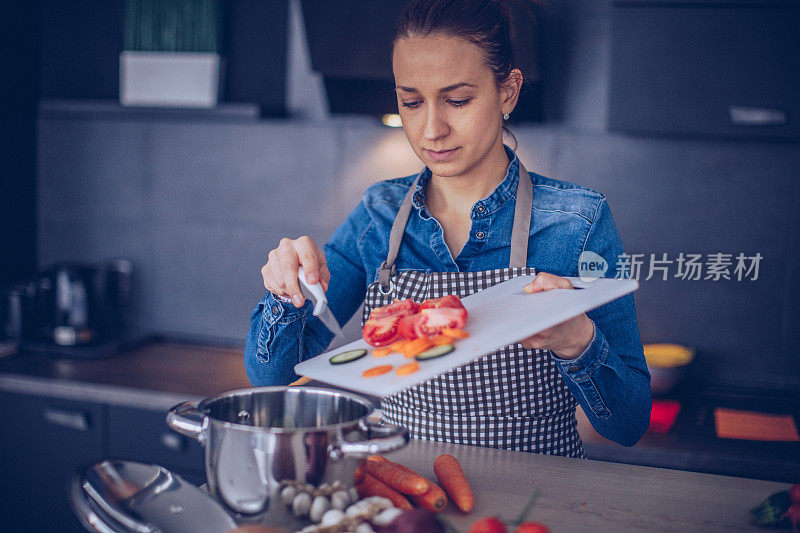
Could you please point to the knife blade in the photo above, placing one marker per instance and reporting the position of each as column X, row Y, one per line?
column 317, row 296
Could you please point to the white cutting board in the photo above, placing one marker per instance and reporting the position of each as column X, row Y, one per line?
column 498, row 316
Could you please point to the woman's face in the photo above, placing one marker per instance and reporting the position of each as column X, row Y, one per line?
column 449, row 103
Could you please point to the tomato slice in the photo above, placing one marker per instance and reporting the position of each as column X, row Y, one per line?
column 434, row 320
column 396, row 308
column 405, row 319
column 408, row 326
column 451, row 300
column 381, row 331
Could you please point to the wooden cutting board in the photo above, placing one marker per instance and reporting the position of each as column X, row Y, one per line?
column 498, row 316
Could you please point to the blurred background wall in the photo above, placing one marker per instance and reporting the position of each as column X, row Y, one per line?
column 196, row 203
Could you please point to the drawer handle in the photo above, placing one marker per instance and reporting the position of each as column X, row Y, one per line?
column 77, row 420
column 756, row 116
column 171, row 441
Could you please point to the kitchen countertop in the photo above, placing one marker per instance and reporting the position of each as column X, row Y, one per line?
column 586, row 495
column 160, row 374
column 578, row 495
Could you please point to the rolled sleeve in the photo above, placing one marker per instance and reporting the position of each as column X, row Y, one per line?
column 582, row 373
column 581, row 366
column 272, row 325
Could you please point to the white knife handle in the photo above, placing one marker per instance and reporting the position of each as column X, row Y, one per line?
column 318, row 295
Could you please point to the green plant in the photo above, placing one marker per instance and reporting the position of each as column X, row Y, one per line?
column 173, row 25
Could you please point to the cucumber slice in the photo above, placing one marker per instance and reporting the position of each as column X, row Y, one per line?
column 436, row 351
column 348, row 356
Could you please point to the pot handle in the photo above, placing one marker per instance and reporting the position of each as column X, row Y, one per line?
column 187, row 419
column 388, row 437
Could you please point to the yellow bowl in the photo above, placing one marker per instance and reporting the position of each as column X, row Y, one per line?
column 667, row 364
column 667, row 355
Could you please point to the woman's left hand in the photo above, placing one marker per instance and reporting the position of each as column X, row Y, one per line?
column 567, row 340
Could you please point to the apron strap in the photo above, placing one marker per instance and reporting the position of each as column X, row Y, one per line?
column 520, row 231
column 387, row 269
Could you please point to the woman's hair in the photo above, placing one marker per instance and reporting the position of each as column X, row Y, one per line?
column 486, row 23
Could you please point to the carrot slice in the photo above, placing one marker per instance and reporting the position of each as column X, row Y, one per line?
column 408, row 368
column 371, row 486
column 451, row 477
column 441, row 339
column 416, row 346
column 382, row 352
column 398, row 346
column 455, row 333
column 377, row 370
column 397, row 478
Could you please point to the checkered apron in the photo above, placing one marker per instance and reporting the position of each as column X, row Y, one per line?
column 514, row 398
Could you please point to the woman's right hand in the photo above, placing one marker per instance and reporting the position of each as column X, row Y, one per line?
column 280, row 272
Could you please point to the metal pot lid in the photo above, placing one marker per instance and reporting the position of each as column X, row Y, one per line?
column 119, row 495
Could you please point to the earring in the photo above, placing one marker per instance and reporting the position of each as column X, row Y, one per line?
column 505, row 117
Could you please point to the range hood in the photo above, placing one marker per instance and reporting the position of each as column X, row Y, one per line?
column 350, row 46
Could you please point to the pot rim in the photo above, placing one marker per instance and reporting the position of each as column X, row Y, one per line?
column 203, row 407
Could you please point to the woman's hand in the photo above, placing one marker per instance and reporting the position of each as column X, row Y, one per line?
column 567, row 340
column 280, row 272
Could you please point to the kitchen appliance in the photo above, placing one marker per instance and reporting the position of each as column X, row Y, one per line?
column 79, row 305
column 12, row 314
column 498, row 316
column 128, row 496
column 255, row 438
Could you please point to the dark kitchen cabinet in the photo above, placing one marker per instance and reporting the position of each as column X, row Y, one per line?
column 143, row 435
column 706, row 68
column 42, row 443
column 45, row 441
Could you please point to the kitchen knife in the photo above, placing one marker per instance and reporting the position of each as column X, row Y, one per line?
column 317, row 296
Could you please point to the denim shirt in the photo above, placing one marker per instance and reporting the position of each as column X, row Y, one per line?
column 609, row 379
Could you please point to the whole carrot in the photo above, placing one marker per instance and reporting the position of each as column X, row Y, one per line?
column 371, row 486
column 434, row 499
column 406, row 482
column 451, row 477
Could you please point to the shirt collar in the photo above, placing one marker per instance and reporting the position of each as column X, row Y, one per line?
column 505, row 190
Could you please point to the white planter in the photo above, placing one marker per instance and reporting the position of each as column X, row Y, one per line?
column 169, row 79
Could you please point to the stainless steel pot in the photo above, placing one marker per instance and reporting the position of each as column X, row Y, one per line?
column 256, row 438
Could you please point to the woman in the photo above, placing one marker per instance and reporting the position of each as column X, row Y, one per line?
column 471, row 218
